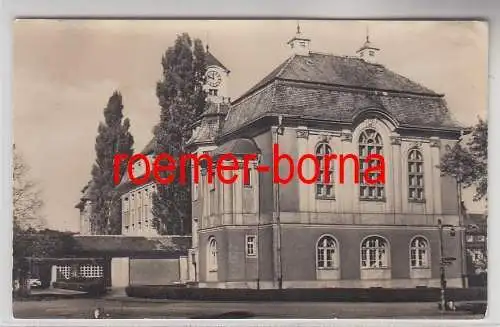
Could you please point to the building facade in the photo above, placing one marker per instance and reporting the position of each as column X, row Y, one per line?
column 86, row 208
column 325, row 233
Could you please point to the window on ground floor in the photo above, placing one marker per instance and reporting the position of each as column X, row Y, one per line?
column 374, row 252
column 251, row 245
column 91, row 271
column 327, row 253
column 419, row 252
column 212, row 254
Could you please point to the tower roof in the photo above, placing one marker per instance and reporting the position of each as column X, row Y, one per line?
column 212, row 61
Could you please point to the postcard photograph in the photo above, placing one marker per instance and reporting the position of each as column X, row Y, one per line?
column 249, row 169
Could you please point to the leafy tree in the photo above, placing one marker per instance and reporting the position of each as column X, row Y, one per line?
column 26, row 197
column 113, row 137
column 182, row 99
column 32, row 243
column 469, row 164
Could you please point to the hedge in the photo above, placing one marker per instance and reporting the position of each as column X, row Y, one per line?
column 313, row 295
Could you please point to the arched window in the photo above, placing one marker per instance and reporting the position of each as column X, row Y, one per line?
column 212, row 254
column 415, row 175
column 370, row 142
column 374, row 252
column 419, row 252
column 324, row 188
column 327, row 253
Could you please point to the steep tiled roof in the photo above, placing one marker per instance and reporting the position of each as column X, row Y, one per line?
column 337, row 88
column 212, row 61
column 341, row 71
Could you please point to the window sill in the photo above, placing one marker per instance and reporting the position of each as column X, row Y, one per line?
column 251, row 256
column 327, row 268
column 416, row 200
column 325, row 197
column 381, row 268
column 420, row 268
column 372, row 199
column 212, row 270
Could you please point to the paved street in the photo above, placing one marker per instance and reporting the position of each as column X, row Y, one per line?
column 123, row 308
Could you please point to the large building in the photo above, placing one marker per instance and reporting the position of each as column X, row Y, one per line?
column 327, row 234
column 260, row 234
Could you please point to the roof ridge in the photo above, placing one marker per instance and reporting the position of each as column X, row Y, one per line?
column 287, row 62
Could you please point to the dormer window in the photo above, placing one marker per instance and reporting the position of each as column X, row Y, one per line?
column 213, row 92
column 372, row 53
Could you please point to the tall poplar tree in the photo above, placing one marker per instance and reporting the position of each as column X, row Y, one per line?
column 113, row 137
column 182, row 99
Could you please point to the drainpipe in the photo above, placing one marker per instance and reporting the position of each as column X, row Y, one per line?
column 259, row 159
column 279, row 131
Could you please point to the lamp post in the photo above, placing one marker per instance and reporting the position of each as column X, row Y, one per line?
column 443, row 261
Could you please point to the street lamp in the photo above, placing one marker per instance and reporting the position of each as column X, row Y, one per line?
column 444, row 261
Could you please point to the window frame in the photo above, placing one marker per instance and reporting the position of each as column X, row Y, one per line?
column 425, row 257
column 254, row 245
column 377, row 248
column 320, row 180
column 212, row 253
column 419, row 189
column 335, row 257
column 369, row 133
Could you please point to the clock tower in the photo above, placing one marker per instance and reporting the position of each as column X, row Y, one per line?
column 217, row 77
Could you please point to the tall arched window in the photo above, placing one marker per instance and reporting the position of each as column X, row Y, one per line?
column 370, row 142
column 374, row 252
column 327, row 253
column 324, row 188
column 415, row 175
column 212, row 254
column 419, row 252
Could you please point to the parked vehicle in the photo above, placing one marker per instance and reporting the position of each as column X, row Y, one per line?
column 35, row 283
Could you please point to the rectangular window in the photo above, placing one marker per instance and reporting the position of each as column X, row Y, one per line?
column 213, row 92
column 251, row 245
column 91, row 271
column 415, row 176
column 470, row 238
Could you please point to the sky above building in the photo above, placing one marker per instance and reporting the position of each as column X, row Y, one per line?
column 65, row 71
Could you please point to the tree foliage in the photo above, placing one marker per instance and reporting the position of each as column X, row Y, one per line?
column 32, row 243
column 113, row 137
column 182, row 100
column 469, row 164
column 26, row 197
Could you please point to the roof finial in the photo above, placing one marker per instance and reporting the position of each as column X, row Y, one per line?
column 367, row 34
column 298, row 28
column 207, row 41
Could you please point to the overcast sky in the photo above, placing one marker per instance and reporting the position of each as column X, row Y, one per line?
column 65, row 71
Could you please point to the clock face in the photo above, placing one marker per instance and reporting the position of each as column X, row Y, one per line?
column 213, row 78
